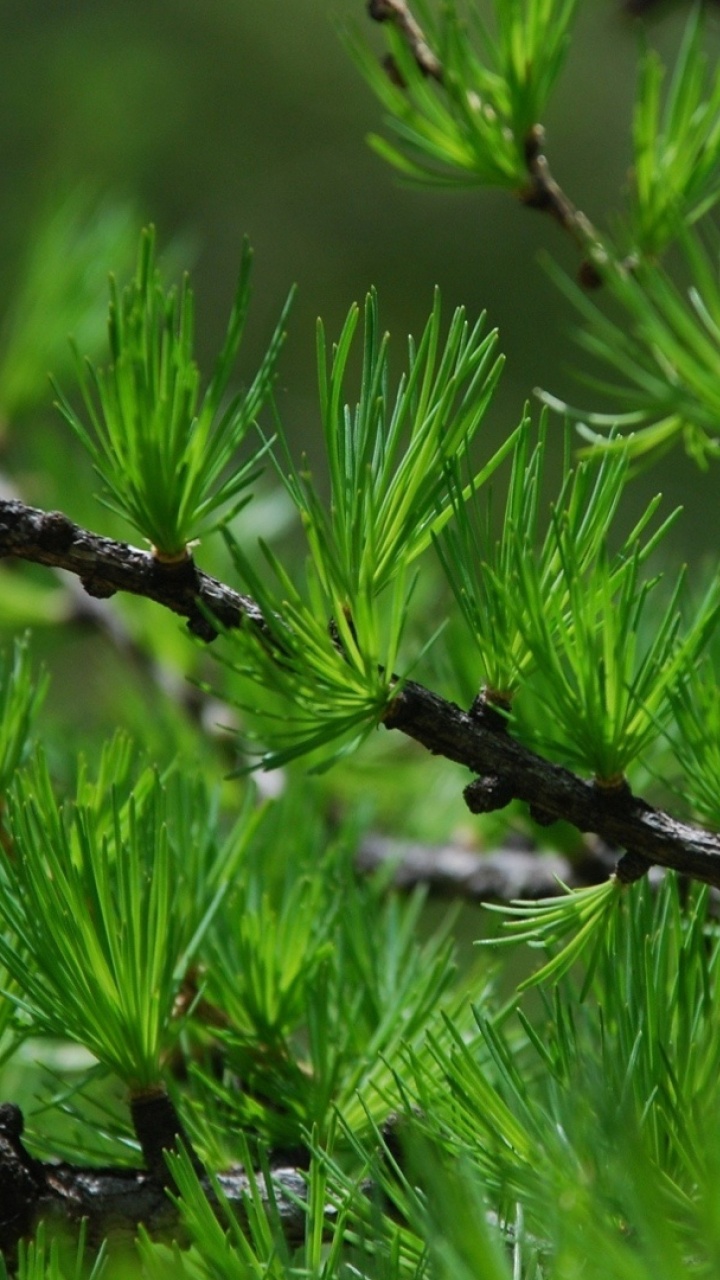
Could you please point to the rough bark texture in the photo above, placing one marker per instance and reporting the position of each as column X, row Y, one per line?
column 553, row 793
column 503, row 768
column 113, row 1200
column 104, row 567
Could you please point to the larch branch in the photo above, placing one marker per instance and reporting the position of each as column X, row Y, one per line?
column 503, row 768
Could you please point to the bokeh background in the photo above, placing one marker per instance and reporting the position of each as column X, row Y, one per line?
column 232, row 118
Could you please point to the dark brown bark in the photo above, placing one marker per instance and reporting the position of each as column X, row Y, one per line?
column 504, row 769
column 158, row 1129
column 104, row 567
column 553, row 793
column 113, row 1200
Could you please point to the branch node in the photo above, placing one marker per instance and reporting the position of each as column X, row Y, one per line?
column 198, row 625
column 631, row 867
column 486, row 794
column 181, row 572
column 491, row 707
column 56, row 531
column 588, row 275
column 97, row 589
column 380, row 10
column 393, row 72
column 543, row 817
column 614, row 792
column 158, row 1128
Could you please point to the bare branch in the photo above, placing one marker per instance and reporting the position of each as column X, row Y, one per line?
column 105, row 566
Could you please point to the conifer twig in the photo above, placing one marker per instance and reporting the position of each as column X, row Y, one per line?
column 545, row 193
column 116, row 1198
column 504, row 768
column 105, row 566
column 399, row 13
column 541, row 191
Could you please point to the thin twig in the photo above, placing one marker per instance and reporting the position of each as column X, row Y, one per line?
column 545, row 193
column 541, row 191
column 398, row 12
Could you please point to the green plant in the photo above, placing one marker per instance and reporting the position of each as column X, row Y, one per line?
column 316, row 1085
column 163, row 452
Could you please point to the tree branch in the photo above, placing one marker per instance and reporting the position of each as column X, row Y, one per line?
column 105, row 566
column 117, row 1199
column 504, row 768
column 508, row 770
column 541, row 191
column 398, row 12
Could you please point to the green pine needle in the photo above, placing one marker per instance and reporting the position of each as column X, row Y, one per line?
column 330, row 660
column 547, row 921
column 676, row 144
column 104, row 906
column 472, row 128
column 167, row 455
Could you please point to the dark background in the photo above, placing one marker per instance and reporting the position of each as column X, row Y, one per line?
column 225, row 118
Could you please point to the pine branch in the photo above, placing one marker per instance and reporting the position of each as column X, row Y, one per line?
column 105, row 566
column 116, row 1199
column 542, row 191
column 504, row 768
column 507, row 770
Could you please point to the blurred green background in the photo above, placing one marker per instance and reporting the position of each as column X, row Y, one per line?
column 227, row 118
column 233, row 117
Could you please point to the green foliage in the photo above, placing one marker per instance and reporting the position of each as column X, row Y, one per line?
column 696, row 739
column 316, row 1009
column 484, row 570
column 582, row 1129
column 582, row 912
column 54, row 1259
column 663, row 349
column 333, row 650
column 471, row 127
column 222, row 1247
column 567, row 621
column 106, row 902
column 58, row 292
column 469, row 119
column 22, row 692
column 676, row 144
column 162, row 452
column 453, row 1126
column 607, row 672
